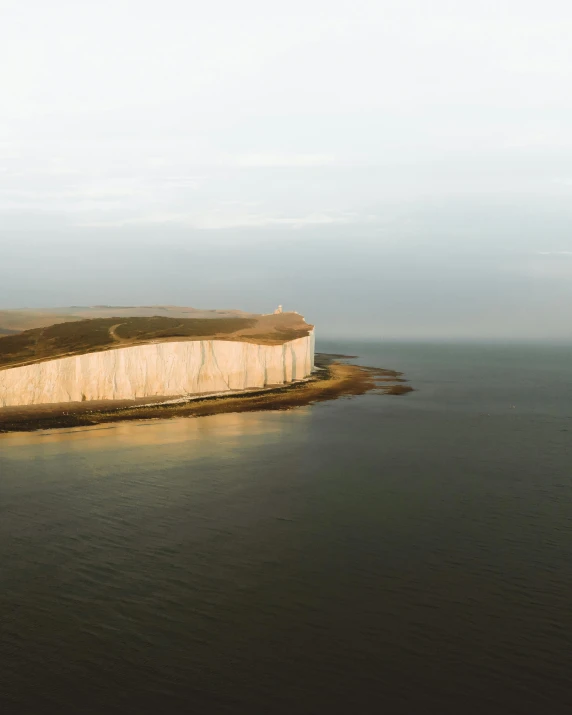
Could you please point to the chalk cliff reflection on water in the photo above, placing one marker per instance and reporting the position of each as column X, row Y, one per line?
column 177, row 436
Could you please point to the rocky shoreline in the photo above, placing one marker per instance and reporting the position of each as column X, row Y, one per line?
column 334, row 377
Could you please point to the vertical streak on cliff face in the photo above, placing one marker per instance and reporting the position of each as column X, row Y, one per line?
column 202, row 363
column 225, row 378
column 265, row 367
column 174, row 368
column 115, row 374
column 294, row 365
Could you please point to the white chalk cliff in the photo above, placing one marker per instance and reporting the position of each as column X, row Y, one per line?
column 167, row 368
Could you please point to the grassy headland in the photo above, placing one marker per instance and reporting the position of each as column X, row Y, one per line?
column 97, row 334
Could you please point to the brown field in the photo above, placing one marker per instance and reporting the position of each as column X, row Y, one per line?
column 28, row 319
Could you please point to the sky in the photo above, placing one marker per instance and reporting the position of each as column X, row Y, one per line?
column 391, row 169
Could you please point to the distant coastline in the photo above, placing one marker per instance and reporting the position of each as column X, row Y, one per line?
column 334, row 377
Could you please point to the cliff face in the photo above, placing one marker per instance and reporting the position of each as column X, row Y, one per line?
column 168, row 368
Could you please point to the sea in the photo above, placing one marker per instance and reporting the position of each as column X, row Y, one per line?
column 373, row 554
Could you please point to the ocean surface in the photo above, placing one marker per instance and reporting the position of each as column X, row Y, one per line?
column 373, row 554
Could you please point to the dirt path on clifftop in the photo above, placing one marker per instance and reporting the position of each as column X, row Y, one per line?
column 113, row 335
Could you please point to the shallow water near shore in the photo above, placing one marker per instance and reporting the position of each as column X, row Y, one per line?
column 377, row 554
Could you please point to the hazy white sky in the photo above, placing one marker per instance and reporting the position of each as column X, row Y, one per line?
column 407, row 161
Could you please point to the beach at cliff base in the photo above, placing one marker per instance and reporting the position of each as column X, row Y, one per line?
column 332, row 378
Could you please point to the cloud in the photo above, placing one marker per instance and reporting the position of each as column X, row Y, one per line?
column 554, row 253
column 282, row 160
column 219, row 220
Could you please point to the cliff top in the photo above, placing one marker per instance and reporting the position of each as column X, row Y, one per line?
column 77, row 336
column 15, row 321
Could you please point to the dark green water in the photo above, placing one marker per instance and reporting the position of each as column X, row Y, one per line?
column 375, row 554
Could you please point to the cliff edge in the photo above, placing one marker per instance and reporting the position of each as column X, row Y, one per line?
column 120, row 358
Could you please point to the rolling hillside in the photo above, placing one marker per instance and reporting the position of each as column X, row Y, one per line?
column 78, row 337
